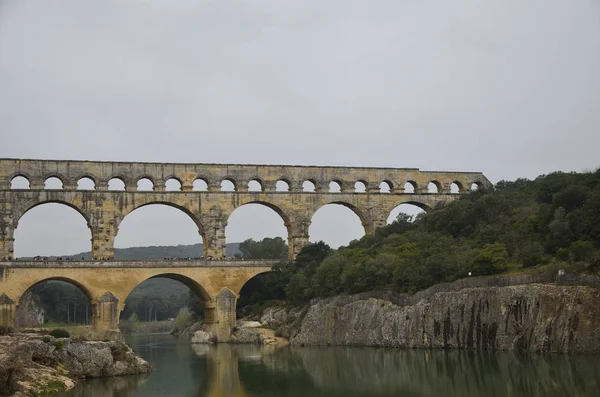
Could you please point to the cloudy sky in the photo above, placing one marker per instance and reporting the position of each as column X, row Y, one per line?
column 507, row 87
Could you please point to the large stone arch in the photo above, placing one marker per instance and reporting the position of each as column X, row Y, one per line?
column 28, row 205
column 189, row 282
column 276, row 208
column 151, row 201
column 362, row 215
column 23, row 288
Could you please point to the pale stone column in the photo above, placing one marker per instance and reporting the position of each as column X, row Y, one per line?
column 105, row 313
column 8, row 309
column 214, row 235
column 103, row 240
column 298, row 235
column 220, row 318
column 7, row 239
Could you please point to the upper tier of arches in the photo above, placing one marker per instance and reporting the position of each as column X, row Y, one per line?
column 68, row 175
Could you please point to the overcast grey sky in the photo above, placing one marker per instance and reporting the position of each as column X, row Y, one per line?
column 507, row 87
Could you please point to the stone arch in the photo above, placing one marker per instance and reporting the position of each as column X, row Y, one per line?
column 173, row 184
column 52, row 179
column 228, row 181
column 475, row 185
column 405, row 207
column 283, row 185
column 309, row 185
column 19, row 215
column 200, row 184
column 183, row 209
column 422, row 205
column 434, row 187
column 147, row 184
column 86, row 290
column 360, row 186
column 456, row 187
column 386, row 186
column 256, row 185
column 410, row 187
column 251, row 285
column 189, row 282
column 89, row 309
column 20, row 179
column 335, row 186
column 85, row 179
column 279, row 211
column 362, row 218
column 116, row 179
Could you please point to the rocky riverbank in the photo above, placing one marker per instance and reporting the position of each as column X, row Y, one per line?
column 534, row 317
column 35, row 364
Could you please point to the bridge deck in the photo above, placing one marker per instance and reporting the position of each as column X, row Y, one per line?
column 50, row 264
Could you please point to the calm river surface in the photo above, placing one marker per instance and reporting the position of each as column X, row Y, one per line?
column 187, row 370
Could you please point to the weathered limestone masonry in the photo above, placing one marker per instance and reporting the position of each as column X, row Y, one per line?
column 104, row 209
column 107, row 285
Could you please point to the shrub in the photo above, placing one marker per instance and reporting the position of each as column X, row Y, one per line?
column 184, row 318
column 58, row 344
column 59, row 333
column 46, row 339
column 6, row 330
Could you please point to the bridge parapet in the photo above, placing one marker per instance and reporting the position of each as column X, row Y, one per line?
column 136, row 264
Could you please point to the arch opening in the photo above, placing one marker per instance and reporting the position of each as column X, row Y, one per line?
column 163, row 230
column 228, row 185
column 116, row 183
column 162, row 302
column 455, row 188
column 476, row 186
column 257, row 231
column 172, row 185
column 86, row 183
column 335, row 187
column 54, row 302
column 200, row 185
column 53, row 183
column 282, row 186
column 410, row 187
column 19, row 182
column 257, row 289
column 52, row 230
column 385, row 187
column 255, row 185
column 434, row 187
column 404, row 210
column 145, row 185
column 336, row 224
column 308, row 186
column 360, row 187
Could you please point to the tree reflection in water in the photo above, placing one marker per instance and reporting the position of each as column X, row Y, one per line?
column 247, row 370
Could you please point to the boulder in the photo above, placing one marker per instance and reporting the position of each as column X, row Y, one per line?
column 248, row 324
column 202, row 337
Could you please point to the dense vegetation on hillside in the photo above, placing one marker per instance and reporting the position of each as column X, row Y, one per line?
column 552, row 220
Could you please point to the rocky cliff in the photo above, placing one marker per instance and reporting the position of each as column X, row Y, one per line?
column 535, row 317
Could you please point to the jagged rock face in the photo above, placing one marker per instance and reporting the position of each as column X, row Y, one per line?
column 526, row 317
column 86, row 359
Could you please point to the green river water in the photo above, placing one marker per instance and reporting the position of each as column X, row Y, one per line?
column 185, row 370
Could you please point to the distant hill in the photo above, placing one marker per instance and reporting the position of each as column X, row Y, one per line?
column 157, row 252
